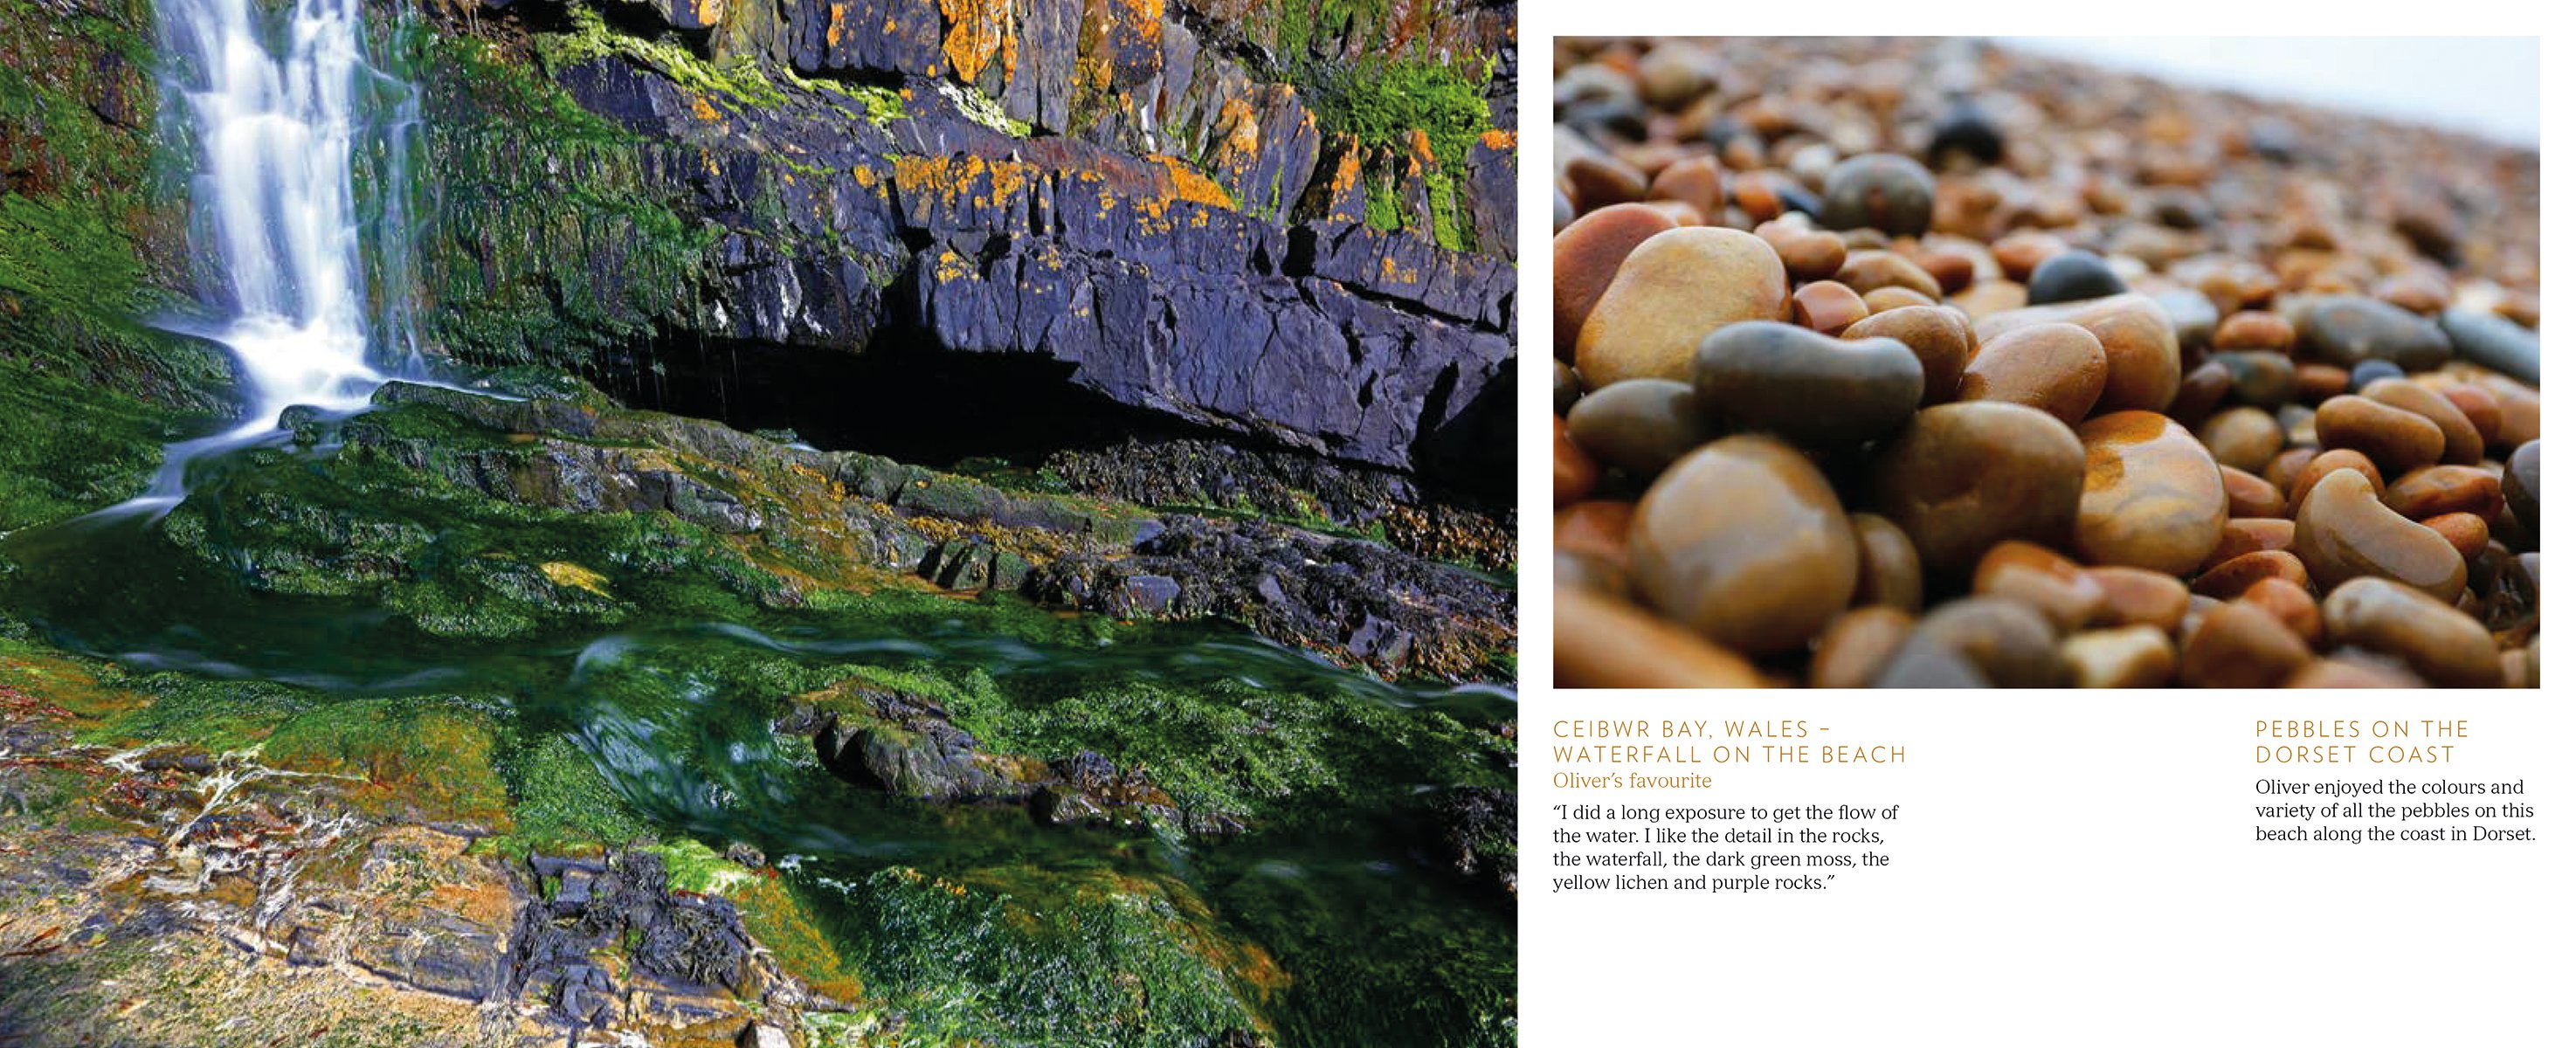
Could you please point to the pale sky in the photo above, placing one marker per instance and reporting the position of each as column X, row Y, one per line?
column 2488, row 86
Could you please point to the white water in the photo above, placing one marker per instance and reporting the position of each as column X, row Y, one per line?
column 278, row 110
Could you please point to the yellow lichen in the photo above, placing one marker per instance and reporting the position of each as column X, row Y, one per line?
column 573, row 576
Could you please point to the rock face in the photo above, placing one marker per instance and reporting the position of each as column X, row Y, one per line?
column 1111, row 194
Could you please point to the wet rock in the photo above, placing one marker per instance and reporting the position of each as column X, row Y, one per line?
column 2462, row 445
column 2344, row 532
column 2008, row 642
column 1962, row 477
column 1673, row 290
column 2494, row 343
column 2124, row 657
column 1881, row 191
column 2137, row 338
column 1588, row 255
column 1768, row 377
column 1890, row 573
column 2071, row 276
column 1858, row 646
column 1744, row 541
column 2057, row 368
column 2393, row 438
column 2433, row 638
column 2522, row 485
column 1640, row 425
column 1607, row 642
column 1965, row 129
column 1940, row 339
column 2345, row 330
column 2152, row 496
column 2238, row 646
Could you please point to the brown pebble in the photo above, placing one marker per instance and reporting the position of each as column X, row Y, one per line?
column 2201, row 389
column 2136, row 334
column 2284, row 468
column 2007, row 640
column 2230, row 578
column 2136, row 596
column 2466, row 532
column 2462, row 445
column 2250, row 535
column 1940, row 338
column 2396, row 439
column 1576, row 474
column 1596, row 182
column 1890, row 574
column 2245, row 438
column 2289, row 602
column 1867, row 271
column 1605, row 642
column 2123, row 657
column 2340, row 672
column 1827, row 307
column 1888, row 298
column 1857, row 646
column 1744, row 541
column 2251, row 496
column 2479, row 407
column 1810, row 254
column 2318, row 383
column 2254, row 329
column 2152, row 497
column 1596, row 527
column 1950, row 270
column 1697, row 181
column 1986, row 298
column 1588, row 254
column 1640, row 425
column 1574, row 568
column 1671, row 292
column 2432, row 491
column 1961, row 477
column 2037, row 576
column 2019, row 253
column 2327, row 462
column 2057, row 368
column 2238, row 646
column 2434, row 639
column 2345, row 533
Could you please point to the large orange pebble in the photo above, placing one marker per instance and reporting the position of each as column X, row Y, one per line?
column 1605, row 642
column 2237, row 646
column 2136, row 596
column 2230, row 578
column 1961, row 477
column 1576, row 473
column 1588, row 254
column 2325, row 463
column 2289, row 602
column 1940, row 338
column 2251, row 496
column 2394, row 438
column 2432, row 491
column 1744, row 541
column 2462, row 445
column 2152, row 496
column 2137, row 336
column 2433, row 638
column 1670, row 293
column 2035, row 575
column 2345, row 533
column 2057, row 368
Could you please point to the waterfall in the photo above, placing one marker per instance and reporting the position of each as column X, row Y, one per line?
column 281, row 112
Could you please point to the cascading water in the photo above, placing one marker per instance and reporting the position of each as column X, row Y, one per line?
column 281, row 114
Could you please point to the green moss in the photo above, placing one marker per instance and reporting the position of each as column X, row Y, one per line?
column 774, row 915
column 561, row 803
column 1381, row 104
column 589, row 39
column 427, row 758
column 1109, row 962
column 874, row 103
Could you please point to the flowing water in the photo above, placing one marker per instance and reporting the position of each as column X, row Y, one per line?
column 288, row 118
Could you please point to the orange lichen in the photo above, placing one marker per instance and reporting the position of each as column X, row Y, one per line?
column 978, row 30
column 1188, row 184
column 837, row 26
column 1501, row 139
